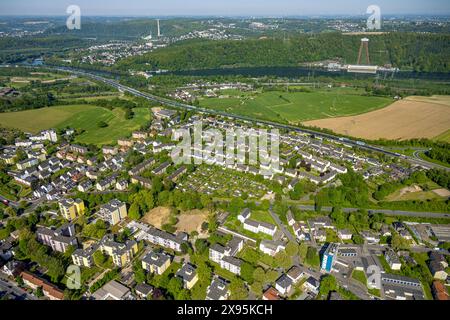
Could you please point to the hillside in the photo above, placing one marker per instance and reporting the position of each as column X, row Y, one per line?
column 419, row 52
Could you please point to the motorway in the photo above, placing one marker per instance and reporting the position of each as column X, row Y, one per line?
column 178, row 105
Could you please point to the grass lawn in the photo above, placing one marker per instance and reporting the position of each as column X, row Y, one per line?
column 359, row 276
column 443, row 137
column 295, row 107
column 262, row 216
column 83, row 117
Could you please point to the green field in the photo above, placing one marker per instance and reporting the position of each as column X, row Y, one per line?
column 295, row 107
column 443, row 137
column 82, row 117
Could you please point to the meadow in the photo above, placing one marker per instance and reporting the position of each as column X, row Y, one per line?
column 412, row 117
column 81, row 117
column 296, row 107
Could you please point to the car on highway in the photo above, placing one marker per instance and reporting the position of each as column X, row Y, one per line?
column 5, row 202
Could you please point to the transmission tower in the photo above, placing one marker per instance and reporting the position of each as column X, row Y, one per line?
column 364, row 47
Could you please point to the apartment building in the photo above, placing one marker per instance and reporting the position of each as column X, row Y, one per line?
column 71, row 209
column 59, row 239
column 121, row 253
column 113, row 212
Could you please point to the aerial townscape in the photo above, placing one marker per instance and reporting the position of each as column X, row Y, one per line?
column 349, row 199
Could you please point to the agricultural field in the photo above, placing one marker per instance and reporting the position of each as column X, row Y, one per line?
column 81, row 117
column 296, row 107
column 413, row 117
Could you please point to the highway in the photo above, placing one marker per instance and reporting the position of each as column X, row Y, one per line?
column 179, row 105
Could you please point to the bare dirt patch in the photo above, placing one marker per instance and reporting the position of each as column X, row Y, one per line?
column 157, row 217
column 414, row 117
column 190, row 221
column 442, row 192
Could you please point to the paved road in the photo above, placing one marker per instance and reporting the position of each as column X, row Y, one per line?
column 281, row 225
column 179, row 105
column 11, row 203
column 384, row 211
column 12, row 288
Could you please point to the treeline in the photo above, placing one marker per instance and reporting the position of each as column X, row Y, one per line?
column 440, row 153
column 28, row 101
column 14, row 50
column 441, row 177
column 410, row 51
column 388, row 188
column 353, row 191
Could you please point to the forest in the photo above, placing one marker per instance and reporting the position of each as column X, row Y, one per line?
column 407, row 51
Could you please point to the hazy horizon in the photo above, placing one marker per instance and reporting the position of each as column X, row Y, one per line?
column 230, row 8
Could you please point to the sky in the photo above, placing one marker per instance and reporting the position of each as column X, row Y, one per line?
column 223, row 7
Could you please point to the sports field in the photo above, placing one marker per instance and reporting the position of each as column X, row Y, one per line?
column 83, row 117
column 295, row 107
column 413, row 117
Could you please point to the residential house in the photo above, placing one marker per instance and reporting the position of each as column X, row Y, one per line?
column 218, row 289
column 311, row 284
column 295, row 274
column 165, row 239
column 49, row 290
column 156, row 262
column 392, row 259
column 439, row 291
column 143, row 290
column 113, row 290
column 283, row 285
column 271, row 247
column 259, row 226
column 271, row 294
column 345, row 234
column 188, row 274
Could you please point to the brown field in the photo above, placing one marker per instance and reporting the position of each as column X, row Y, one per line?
column 413, row 117
column 442, row 192
column 157, row 217
column 191, row 221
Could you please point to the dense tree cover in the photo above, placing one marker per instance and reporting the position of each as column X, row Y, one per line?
column 28, row 101
column 353, row 191
column 398, row 242
column 387, row 188
column 26, row 48
column 441, row 177
column 328, row 284
column 312, row 257
column 30, row 248
column 420, row 52
column 440, row 153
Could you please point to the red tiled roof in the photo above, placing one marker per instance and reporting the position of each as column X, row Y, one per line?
column 440, row 292
column 271, row 294
column 48, row 288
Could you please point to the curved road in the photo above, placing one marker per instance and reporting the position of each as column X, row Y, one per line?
column 184, row 106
